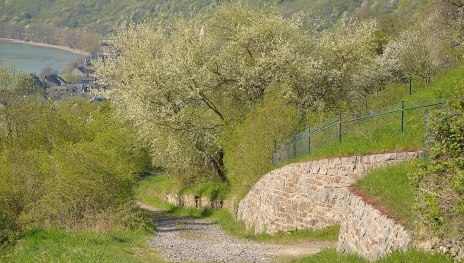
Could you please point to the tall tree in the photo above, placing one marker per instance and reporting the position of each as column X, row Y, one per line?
column 181, row 81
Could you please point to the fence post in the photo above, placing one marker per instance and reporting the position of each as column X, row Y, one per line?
column 426, row 134
column 294, row 146
column 402, row 116
column 410, row 85
column 340, row 127
column 309, row 141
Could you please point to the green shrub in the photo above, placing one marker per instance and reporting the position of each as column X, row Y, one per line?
column 440, row 183
column 68, row 166
column 249, row 145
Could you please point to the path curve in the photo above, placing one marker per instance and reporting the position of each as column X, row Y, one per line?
column 199, row 240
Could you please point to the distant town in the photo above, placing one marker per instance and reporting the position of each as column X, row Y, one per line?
column 80, row 80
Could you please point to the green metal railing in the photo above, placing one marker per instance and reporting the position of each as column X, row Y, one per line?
column 308, row 141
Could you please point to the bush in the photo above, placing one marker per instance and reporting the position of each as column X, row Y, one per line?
column 70, row 166
column 249, row 145
column 440, row 202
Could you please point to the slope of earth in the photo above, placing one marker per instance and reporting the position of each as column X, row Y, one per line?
column 102, row 15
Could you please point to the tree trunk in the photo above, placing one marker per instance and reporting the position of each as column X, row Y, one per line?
column 217, row 163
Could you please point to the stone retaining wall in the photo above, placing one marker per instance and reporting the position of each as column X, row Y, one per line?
column 308, row 195
column 365, row 231
column 438, row 245
column 315, row 194
column 193, row 201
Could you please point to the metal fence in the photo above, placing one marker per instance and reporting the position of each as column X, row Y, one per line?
column 394, row 120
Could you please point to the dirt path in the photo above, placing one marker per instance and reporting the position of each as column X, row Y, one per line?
column 198, row 240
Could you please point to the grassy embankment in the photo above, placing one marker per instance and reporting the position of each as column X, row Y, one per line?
column 152, row 189
column 382, row 134
column 331, row 256
column 391, row 188
column 80, row 246
column 379, row 134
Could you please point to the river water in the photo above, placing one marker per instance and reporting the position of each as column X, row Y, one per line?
column 35, row 59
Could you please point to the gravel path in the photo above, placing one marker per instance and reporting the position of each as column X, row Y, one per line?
column 196, row 240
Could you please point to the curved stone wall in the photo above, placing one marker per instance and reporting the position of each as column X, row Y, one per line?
column 308, row 195
column 316, row 194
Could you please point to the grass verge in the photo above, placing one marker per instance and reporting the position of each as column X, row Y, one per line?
column 80, row 246
column 411, row 256
column 390, row 189
column 151, row 190
column 237, row 228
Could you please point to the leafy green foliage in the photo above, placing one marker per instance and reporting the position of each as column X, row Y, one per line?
column 249, row 145
column 68, row 166
column 440, row 183
column 185, row 83
column 206, row 73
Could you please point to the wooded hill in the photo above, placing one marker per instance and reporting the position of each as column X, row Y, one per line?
column 102, row 15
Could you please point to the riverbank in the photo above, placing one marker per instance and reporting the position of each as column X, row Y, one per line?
column 38, row 44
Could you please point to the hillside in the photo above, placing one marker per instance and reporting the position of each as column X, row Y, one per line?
column 98, row 16
column 101, row 16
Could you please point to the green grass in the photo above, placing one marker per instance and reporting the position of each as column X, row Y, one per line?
column 383, row 133
column 411, row 256
column 151, row 190
column 81, row 246
column 392, row 188
column 213, row 189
